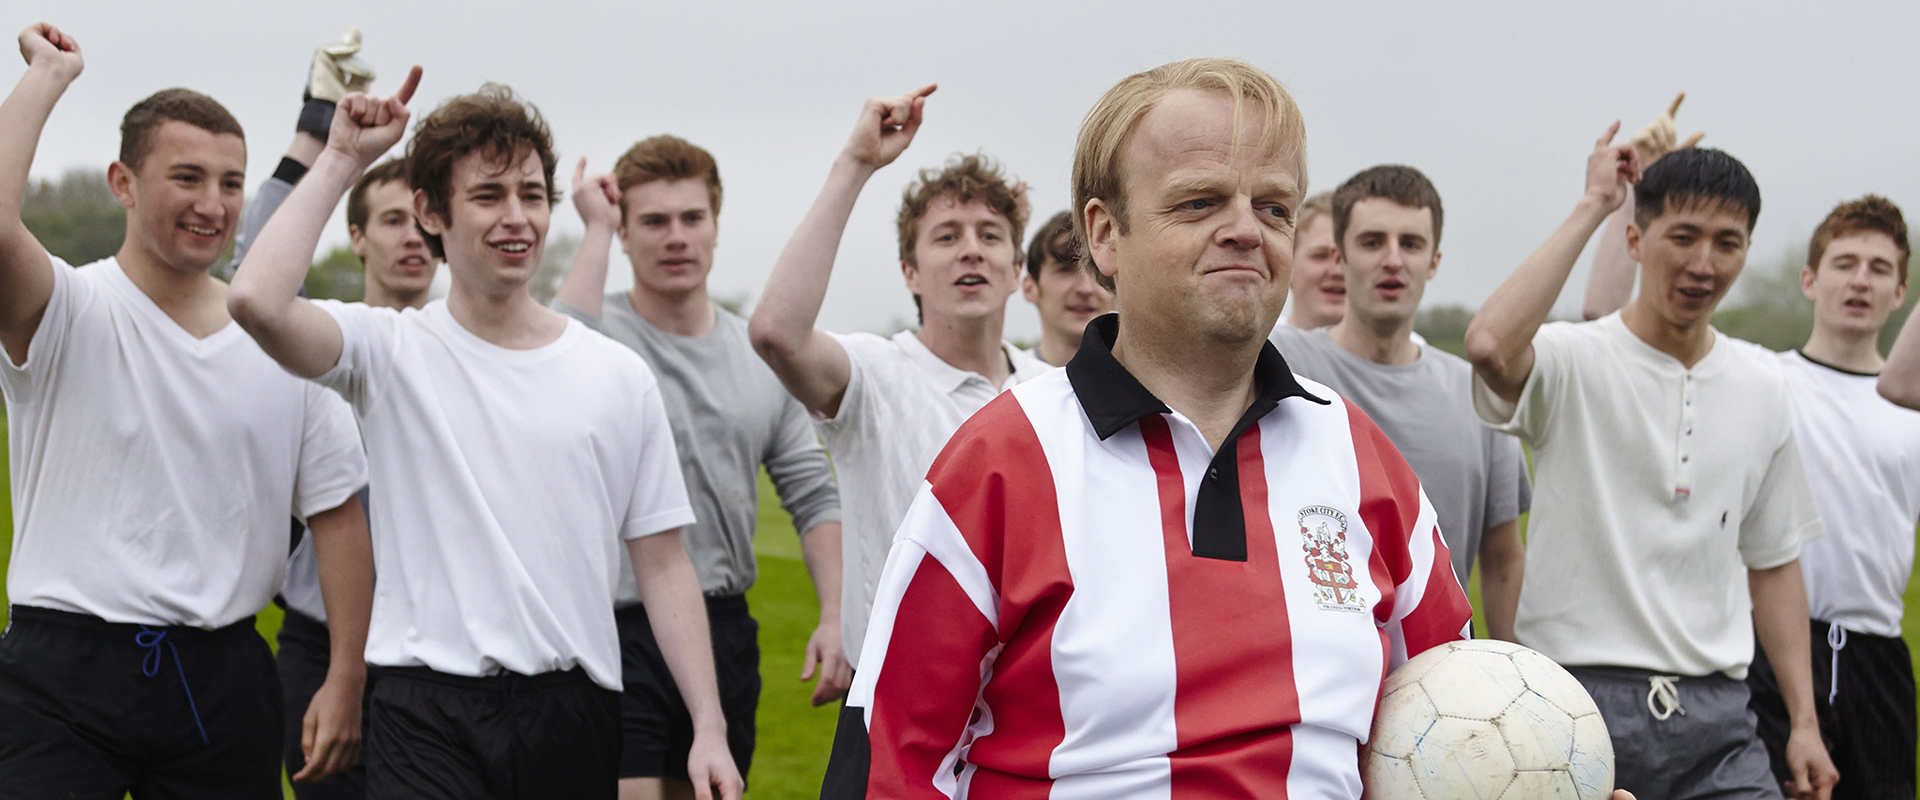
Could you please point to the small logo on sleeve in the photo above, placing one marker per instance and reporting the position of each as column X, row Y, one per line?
column 1323, row 535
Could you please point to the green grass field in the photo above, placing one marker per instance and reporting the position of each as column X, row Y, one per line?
column 794, row 737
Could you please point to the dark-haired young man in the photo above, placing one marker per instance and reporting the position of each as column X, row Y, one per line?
column 886, row 406
column 1066, row 296
column 156, row 455
column 1387, row 221
column 513, row 452
column 1862, row 457
column 1671, row 503
column 730, row 417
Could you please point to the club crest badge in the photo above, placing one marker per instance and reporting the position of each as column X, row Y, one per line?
column 1323, row 534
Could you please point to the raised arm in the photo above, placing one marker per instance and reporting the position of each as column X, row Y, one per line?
column 1500, row 338
column 332, row 75
column 26, row 274
column 597, row 198
column 265, row 295
column 813, row 365
column 1610, row 281
column 1900, row 378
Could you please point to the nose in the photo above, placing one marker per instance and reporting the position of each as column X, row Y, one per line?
column 1240, row 230
column 516, row 212
column 209, row 202
column 972, row 247
column 676, row 235
column 1860, row 278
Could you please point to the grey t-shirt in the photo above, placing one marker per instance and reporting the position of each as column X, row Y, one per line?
column 1475, row 477
column 729, row 415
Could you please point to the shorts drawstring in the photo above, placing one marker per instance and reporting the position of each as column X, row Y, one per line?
column 1836, row 639
column 1663, row 698
column 150, row 666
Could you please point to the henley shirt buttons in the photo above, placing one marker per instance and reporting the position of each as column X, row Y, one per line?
column 1213, row 473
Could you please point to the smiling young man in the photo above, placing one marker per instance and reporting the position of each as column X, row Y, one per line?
column 730, row 418
column 1388, row 222
column 1318, row 289
column 156, row 455
column 886, row 405
column 1103, row 587
column 1671, row 502
column 1862, row 457
column 1066, row 296
column 513, row 452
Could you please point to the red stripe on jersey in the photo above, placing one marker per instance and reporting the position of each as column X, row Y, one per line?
column 996, row 485
column 1444, row 612
column 1390, row 508
column 935, row 620
column 1234, row 701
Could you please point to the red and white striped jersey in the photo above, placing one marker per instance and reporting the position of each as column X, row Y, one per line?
column 1085, row 601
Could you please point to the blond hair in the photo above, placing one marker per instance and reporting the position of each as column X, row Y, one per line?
column 1108, row 127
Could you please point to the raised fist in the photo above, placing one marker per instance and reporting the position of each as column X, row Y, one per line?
column 886, row 127
column 365, row 127
column 43, row 45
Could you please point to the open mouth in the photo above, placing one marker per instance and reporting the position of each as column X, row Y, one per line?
column 1695, row 293
column 512, row 247
column 201, row 231
column 971, row 280
column 1388, row 285
column 1858, row 302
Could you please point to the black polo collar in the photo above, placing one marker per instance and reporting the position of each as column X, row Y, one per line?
column 1113, row 400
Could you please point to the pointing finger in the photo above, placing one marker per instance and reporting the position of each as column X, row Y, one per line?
column 405, row 94
column 1692, row 140
column 579, row 174
column 925, row 90
column 1607, row 137
column 1675, row 107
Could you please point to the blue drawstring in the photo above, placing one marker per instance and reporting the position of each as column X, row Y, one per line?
column 150, row 666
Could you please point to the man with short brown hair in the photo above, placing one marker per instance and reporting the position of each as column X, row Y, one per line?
column 886, row 405
column 730, row 417
column 517, row 452
column 157, row 454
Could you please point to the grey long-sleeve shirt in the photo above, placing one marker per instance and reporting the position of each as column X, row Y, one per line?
column 729, row 416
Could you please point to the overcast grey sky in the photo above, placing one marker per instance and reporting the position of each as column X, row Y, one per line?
column 1497, row 102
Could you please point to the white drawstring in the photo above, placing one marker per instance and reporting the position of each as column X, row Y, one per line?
column 1666, row 695
column 1836, row 639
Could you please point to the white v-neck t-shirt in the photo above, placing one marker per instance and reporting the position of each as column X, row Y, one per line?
column 506, row 484
column 1656, row 487
column 153, row 472
column 901, row 405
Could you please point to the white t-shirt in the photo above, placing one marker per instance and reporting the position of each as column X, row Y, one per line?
column 505, row 484
column 1656, row 488
column 1862, row 457
column 901, row 405
column 153, row 472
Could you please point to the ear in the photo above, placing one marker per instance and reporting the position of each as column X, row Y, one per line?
column 912, row 273
column 429, row 221
column 1029, row 288
column 1102, row 235
column 1633, row 241
column 120, row 180
column 1900, row 295
column 357, row 241
column 1434, row 268
column 1807, row 276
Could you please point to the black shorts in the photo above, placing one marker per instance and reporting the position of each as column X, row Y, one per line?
column 435, row 735
column 97, row 709
column 1868, row 724
column 657, row 726
column 305, row 650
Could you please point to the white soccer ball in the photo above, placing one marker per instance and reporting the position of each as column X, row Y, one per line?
column 1487, row 720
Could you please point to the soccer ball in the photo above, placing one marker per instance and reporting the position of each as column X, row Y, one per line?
column 1489, row 720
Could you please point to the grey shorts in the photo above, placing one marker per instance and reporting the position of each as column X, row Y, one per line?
column 1705, row 747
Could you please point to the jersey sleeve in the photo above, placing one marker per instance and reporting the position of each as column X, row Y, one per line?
column 71, row 295
column 1421, row 604
column 1531, row 417
column 659, row 502
column 920, row 670
column 1782, row 516
column 367, row 339
column 860, row 404
column 798, row 466
column 266, row 200
column 333, row 465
